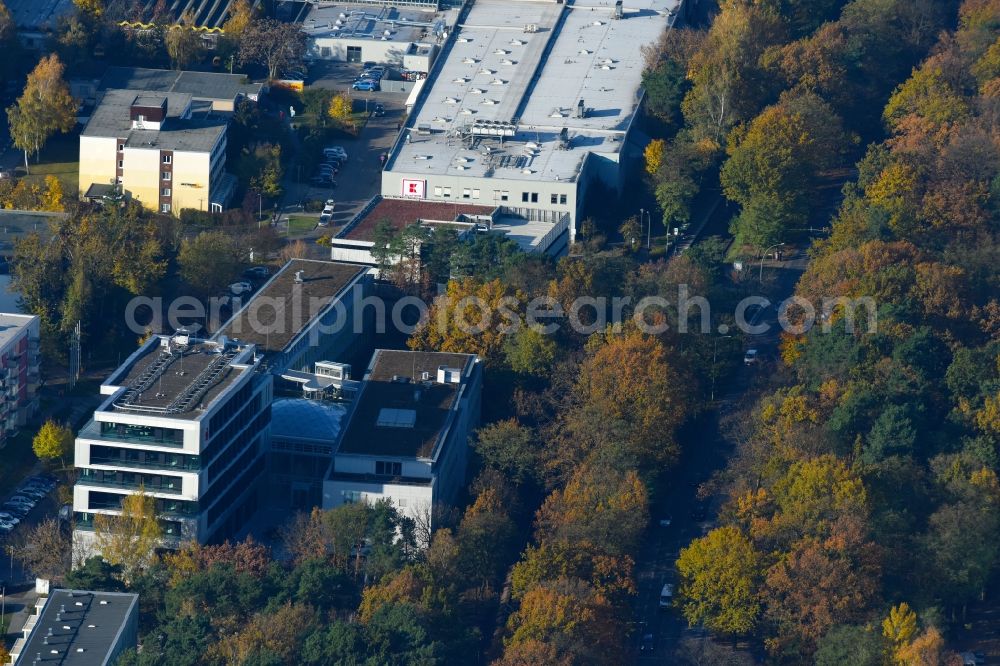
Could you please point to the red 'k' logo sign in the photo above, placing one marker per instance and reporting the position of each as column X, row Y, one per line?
column 413, row 188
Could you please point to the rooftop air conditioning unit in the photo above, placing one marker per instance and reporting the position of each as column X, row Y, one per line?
column 617, row 14
column 581, row 110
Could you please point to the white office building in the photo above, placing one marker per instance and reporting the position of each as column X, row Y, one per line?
column 407, row 431
column 530, row 104
column 186, row 420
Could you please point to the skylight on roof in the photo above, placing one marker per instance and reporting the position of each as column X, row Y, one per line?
column 389, row 417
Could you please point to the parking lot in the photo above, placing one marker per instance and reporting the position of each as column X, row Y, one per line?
column 360, row 178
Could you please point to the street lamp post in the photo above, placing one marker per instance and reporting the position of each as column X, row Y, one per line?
column 760, row 276
column 715, row 352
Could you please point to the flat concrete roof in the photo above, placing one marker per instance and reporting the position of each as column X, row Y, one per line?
column 402, row 212
column 83, row 626
column 499, row 70
column 38, row 14
column 404, row 24
column 393, row 383
column 283, row 308
column 11, row 326
column 212, row 86
column 111, row 119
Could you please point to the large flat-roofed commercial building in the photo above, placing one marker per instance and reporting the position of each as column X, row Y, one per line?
column 304, row 313
column 157, row 149
column 529, row 105
column 185, row 420
column 79, row 628
column 407, row 431
column 19, row 371
column 406, row 36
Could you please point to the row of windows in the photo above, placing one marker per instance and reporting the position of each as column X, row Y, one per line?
column 499, row 195
column 226, row 478
column 113, row 501
column 224, row 502
column 387, row 468
column 239, row 443
column 115, row 455
column 128, row 432
column 221, row 442
column 230, row 408
column 159, row 483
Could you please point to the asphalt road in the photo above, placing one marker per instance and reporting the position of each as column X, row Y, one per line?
column 704, row 451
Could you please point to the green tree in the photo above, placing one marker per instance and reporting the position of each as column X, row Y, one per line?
column 719, row 578
column 774, row 163
column 850, row 644
column 531, row 352
column 210, row 261
column 511, row 448
column 53, row 441
column 44, row 108
column 95, row 574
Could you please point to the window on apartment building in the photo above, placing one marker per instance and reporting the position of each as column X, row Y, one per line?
column 387, row 468
column 165, row 175
column 466, row 193
column 554, row 198
column 351, row 496
column 437, row 191
column 121, row 147
column 534, row 197
column 121, row 164
column 165, row 192
column 562, row 198
column 475, row 193
column 168, row 159
column 164, row 208
column 119, row 180
column 447, row 192
column 524, row 197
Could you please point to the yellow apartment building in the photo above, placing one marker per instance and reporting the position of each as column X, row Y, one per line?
column 159, row 148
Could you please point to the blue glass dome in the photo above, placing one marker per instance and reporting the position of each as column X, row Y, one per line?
column 307, row 419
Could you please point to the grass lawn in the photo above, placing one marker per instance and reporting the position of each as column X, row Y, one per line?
column 16, row 459
column 61, row 158
column 298, row 224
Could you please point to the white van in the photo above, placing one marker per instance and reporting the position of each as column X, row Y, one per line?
column 667, row 595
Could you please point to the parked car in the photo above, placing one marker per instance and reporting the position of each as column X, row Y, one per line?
column 322, row 181
column 324, row 219
column 365, row 85
column 328, row 169
column 667, row 595
column 335, row 152
column 368, row 64
column 19, row 510
column 240, row 288
column 665, row 521
column 750, row 357
column 256, row 272
column 647, row 643
column 6, row 515
column 12, row 522
column 34, row 493
column 379, row 110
